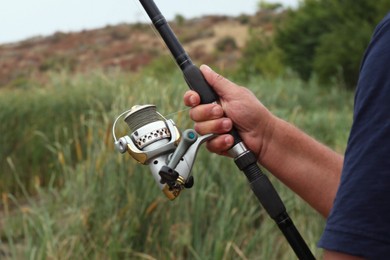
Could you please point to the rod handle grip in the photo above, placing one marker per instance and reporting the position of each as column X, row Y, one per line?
column 198, row 83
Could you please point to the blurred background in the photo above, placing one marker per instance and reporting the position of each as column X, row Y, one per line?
column 67, row 69
column 23, row 19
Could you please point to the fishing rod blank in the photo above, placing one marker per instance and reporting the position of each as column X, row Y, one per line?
column 245, row 159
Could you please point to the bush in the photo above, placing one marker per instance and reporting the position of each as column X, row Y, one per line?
column 244, row 19
column 226, row 43
column 328, row 37
column 58, row 63
column 179, row 19
column 260, row 57
column 337, row 58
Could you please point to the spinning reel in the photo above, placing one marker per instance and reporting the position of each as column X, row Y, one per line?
column 157, row 142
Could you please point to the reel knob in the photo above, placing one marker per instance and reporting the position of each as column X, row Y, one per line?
column 168, row 175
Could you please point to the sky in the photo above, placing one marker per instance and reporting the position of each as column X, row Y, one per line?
column 23, row 19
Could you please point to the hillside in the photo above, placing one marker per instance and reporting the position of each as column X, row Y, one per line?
column 127, row 47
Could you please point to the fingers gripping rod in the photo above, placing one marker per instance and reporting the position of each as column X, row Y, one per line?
column 244, row 159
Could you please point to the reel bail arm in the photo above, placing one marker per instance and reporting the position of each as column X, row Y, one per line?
column 158, row 143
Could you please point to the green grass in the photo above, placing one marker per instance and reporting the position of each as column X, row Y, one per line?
column 76, row 198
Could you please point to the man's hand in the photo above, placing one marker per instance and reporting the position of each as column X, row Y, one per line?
column 237, row 106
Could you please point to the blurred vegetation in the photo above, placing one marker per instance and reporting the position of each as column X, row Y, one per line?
column 327, row 38
column 226, row 44
column 179, row 19
column 58, row 63
column 53, row 110
column 323, row 40
column 267, row 6
column 261, row 56
column 66, row 193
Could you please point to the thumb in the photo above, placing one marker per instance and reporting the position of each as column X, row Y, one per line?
column 221, row 85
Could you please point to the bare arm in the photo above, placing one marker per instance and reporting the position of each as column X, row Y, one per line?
column 306, row 166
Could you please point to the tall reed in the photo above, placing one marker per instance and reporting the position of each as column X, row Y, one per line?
column 99, row 204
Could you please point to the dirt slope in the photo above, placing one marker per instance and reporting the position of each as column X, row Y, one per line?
column 128, row 47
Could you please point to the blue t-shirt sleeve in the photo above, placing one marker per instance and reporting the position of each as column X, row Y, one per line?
column 359, row 223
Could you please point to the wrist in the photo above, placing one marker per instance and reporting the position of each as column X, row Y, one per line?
column 268, row 132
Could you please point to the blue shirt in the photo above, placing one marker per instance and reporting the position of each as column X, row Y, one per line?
column 359, row 223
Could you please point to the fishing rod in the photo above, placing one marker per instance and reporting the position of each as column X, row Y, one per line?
column 170, row 154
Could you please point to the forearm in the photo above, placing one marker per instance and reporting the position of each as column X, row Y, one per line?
column 303, row 164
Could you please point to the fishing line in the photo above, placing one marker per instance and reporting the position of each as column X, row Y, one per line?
column 177, row 112
column 146, row 20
